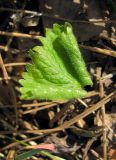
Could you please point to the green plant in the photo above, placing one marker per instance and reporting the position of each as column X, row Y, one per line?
column 29, row 154
column 58, row 71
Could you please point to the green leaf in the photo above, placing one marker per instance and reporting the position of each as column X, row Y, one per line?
column 68, row 42
column 58, row 71
column 32, row 152
column 26, row 155
column 51, row 156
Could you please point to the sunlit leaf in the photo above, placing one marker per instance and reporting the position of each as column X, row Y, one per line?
column 58, row 71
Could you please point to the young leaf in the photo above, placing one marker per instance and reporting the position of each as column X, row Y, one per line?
column 58, row 71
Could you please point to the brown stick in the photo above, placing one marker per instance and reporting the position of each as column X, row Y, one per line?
column 103, row 116
column 5, row 74
column 17, row 34
column 6, row 77
column 70, row 122
column 55, row 17
column 99, row 50
column 13, row 50
column 15, row 64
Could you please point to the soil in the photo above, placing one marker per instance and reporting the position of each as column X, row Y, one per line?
column 72, row 130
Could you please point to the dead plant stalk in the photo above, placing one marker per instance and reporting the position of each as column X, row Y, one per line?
column 101, row 89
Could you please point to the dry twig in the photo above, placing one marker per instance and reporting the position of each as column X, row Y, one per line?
column 55, row 17
column 70, row 122
column 5, row 74
column 17, row 34
column 103, row 114
column 99, row 50
column 6, row 77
